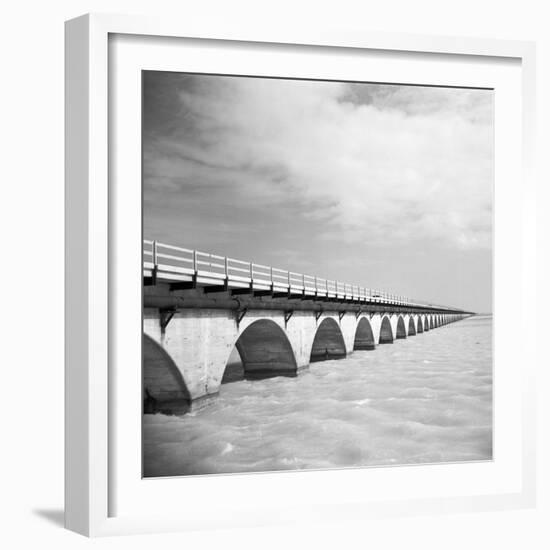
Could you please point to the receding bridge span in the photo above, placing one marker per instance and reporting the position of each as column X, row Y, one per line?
column 198, row 307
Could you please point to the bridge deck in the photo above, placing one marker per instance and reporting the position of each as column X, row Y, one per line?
column 172, row 264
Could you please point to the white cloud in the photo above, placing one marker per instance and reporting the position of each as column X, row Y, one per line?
column 372, row 163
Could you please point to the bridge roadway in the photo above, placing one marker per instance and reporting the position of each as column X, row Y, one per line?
column 198, row 307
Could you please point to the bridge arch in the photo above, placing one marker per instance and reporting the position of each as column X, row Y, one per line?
column 386, row 333
column 412, row 328
column 265, row 351
column 431, row 322
column 400, row 331
column 419, row 325
column 164, row 388
column 426, row 323
column 328, row 342
column 364, row 337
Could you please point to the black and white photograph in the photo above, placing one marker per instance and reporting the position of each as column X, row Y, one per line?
column 277, row 275
column 317, row 274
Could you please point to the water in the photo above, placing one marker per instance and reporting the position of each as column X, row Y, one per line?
column 421, row 400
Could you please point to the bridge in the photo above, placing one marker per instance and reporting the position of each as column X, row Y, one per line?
column 198, row 306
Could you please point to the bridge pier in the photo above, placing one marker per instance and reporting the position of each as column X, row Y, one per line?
column 186, row 351
column 198, row 343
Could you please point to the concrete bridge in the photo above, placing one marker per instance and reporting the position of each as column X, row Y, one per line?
column 199, row 306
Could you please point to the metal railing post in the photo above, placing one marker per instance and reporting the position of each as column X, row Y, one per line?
column 154, row 253
column 154, row 271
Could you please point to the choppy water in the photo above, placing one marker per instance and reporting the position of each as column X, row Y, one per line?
column 424, row 399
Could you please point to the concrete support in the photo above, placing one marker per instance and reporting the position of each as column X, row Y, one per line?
column 185, row 353
column 199, row 343
column 163, row 384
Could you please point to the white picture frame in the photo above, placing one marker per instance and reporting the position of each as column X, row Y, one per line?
column 91, row 218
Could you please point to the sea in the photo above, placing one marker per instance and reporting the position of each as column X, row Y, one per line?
column 425, row 399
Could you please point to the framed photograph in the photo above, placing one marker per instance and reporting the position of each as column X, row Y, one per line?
column 298, row 267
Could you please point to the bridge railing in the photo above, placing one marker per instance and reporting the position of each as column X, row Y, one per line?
column 175, row 263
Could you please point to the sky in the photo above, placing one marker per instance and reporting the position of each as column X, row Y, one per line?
column 385, row 186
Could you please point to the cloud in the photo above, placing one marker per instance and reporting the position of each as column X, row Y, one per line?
column 367, row 163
